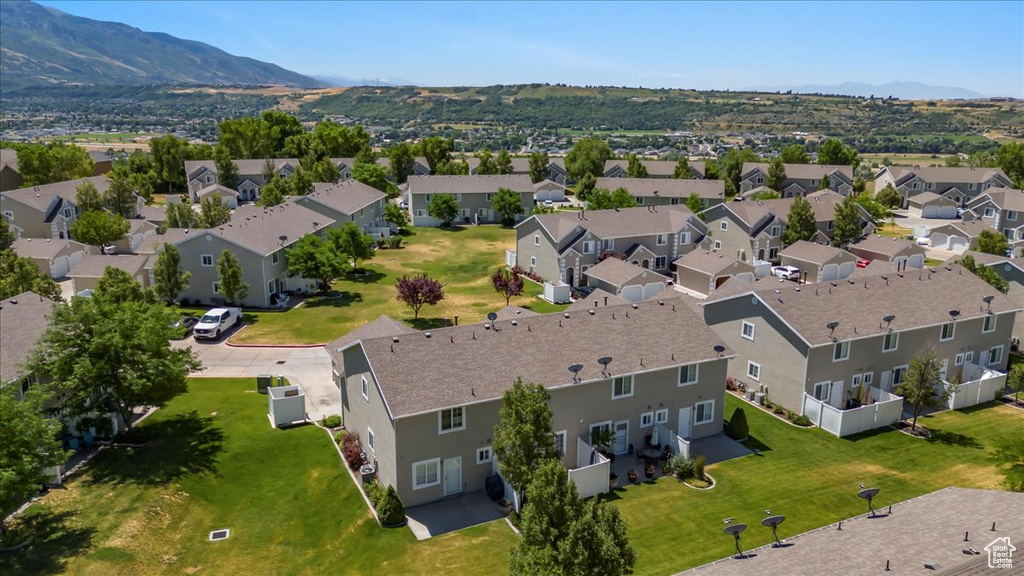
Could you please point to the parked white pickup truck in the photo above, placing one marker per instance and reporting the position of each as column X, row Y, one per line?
column 216, row 322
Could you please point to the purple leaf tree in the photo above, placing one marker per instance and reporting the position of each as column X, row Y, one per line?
column 508, row 283
column 417, row 291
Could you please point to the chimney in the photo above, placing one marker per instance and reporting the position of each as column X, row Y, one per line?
column 605, row 300
column 456, row 319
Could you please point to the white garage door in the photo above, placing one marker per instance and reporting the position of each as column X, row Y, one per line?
column 651, row 289
column 633, row 293
column 939, row 212
column 748, row 276
column 76, row 257
column 845, row 269
column 60, row 267
column 829, row 272
column 957, row 244
column 938, row 240
column 916, row 261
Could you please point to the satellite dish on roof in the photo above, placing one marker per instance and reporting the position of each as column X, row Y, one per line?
column 773, row 523
column 604, row 361
column 734, row 530
column 888, row 319
column 988, row 299
column 832, row 325
column 719, row 349
column 492, row 316
column 868, row 494
column 954, row 313
column 575, row 369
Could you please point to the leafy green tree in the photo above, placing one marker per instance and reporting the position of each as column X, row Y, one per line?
column 452, row 168
column 312, row 257
column 889, row 197
column 169, row 277
column 694, row 202
column 991, row 242
column 487, row 164
column 324, row 171
column 52, row 162
column 213, row 211
column 794, row 154
column 833, row 151
column 229, row 276
column 508, row 283
column 508, row 204
column 847, row 222
column 29, row 446
column 88, row 197
column 437, row 151
column 247, row 138
column 301, row 182
column 1010, row 157
column 113, row 350
column 635, row 168
column 402, row 162
column 523, row 438
column 859, row 185
column 279, row 127
column 732, row 167
column 800, row 222
column 602, row 199
column 504, row 162
column 876, row 210
column 99, row 227
column 1015, row 380
column 375, row 176
column 366, row 156
column 269, row 170
column 444, row 207
column 227, row 170
column 985, row 273
column 169, row 154
column 6, row 234
column 682, row 171
column 119, row 197
column 953, row 161
column 922, row 386
column 339, row 141
column 712, row 170
column 825, row 183
column 394, row 214
column 765, row 195
column 181, row 215
column 273, row 192
column 418, row 291
column 776, row 174
column 352, row 243
column 587, row 156
column 19, row 274
column 539, row 166
column 585, row 186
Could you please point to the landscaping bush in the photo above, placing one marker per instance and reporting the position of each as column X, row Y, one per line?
column 681, row 466
column 374, row 492
column 339, row 436
column 332, row 421
column 730, row 384
column 698, row 467
column 395, row 241
column 382, row 242
column 802, row 421
column 390, row 509
column 778, row 409
column 737, row 429
column 352, row 450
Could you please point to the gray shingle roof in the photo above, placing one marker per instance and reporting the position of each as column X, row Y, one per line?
column 600, row 297
column 40, row 197
column 655, row 168
column 23, row 319
column 801, row 171
column 988, row 259
column 954, row 175
column 347, row 197
column 419, row 374
column 971, row 228
column 816, row 253
column 918, row 298
column 625, row 222
column 152, row 243
column 1008, row 199
column 246, row 167
column 617, row 272
column 469, row 184
column 42, row 247
column 889, row 247
column 666, row 188
column 94, row 265
column 926, row 198
column 9, row 157
column 382, row 327
column 709, row 262
column 217, row 189
column 260, row 229
column 513, row 312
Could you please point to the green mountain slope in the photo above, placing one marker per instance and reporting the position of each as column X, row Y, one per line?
column 44, row 46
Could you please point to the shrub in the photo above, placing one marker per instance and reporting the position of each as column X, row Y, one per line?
column 681, row 466
column 339, row 436
column 802, row 420
column 730, row 384
column 395, row 241
column 778, row 409
column 698, row 467
column 390, row 509
column 737, row 429
column 352, row 450
column 382, row 242
column 374, row 492
column 332, row 421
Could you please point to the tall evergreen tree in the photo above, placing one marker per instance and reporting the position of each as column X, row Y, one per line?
column 847, row 222
column 682, row 171
column 776, row 174
column 635, row 168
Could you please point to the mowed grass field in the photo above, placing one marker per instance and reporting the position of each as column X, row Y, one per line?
column 462, row 259
column 214, row 462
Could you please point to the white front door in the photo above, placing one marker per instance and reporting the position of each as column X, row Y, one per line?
column 836, row 394
column 685, row 421
column 620, row 443
column 452, row 475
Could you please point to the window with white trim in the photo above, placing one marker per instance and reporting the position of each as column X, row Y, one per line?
column 855, row 381
column 647, row 420
column 989, row 324
column 483, row 455
column 947, row 332
column 868, row 379
column 533, row 261
column 660, row 262
column 216, row 287
column 609, row 243
column 747, row 331
column 989, row 212
column 995, row 355
column 662, row 239
column 426, row 198
column 365, row 386
column 684, row 237
column 536, row 239
column 622, row 387
column 661, row 416
column 560, row 442
column 723, row 225
column 754, row 371
column 958, row 360
column 773, row 253
column 206, row 260
column 718, row 245
column 705, row 412
column 688, row 374
column 899, row 373
column 371, row 440
column 841, row 351
column 776, row 231
column 426, row 473
column 421, row 213
column 890, row 341
column 588, row 247
column 1011, row 215
column 451, row 420
column 274, row 257
column 639, row 200
column 969, row 356
column 821, row 391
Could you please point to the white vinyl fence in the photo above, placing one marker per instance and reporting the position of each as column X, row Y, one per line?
column 980, row 385
column 592, row 470
column 884, row 411
column 678, row 445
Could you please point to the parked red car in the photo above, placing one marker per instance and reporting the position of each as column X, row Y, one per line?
column 863, row 263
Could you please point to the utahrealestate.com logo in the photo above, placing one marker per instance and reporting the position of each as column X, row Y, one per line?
column 1000, row 553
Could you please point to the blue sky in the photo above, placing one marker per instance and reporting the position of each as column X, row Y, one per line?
column 975, row 45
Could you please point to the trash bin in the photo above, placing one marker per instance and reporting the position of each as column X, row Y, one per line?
column 368, row 472
column 264, row 381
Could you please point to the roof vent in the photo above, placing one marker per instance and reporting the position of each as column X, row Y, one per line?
column 566, row 314
column 591, row 311
column 394, row 338
column 427, row 334
column 487, row 326
column 635, row 306
column 514, row 322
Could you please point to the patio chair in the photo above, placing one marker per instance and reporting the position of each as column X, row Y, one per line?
column 88, row 439
column 73, row 444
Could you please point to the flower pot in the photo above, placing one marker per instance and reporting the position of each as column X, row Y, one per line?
column 633, row 476
column 649, row 472
column 664, row 470
column 613, row 481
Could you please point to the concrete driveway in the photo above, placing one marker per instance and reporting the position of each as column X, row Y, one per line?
column 308, row 368
column 903, row 218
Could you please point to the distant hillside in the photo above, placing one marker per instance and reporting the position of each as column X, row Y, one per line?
column 608, row 108
column 44, row 46
column 903, row 90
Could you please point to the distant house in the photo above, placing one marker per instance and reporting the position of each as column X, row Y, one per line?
column 957, row 237
column 344, row 166
column 627, row 280
column 931, row 205
column 10, row 176
column 348, row 201
column 658, row 169
column 23, row 320
column 562, row 246
column 901, row 251
column 47, row 211
column 1011, row 270
column 101, row 162
column 474, row 194
column 548, row 190
column 53, row 257
column 1002, row 209
column 660, row 192
column 226, row 195
column 801, row 179
column 202, row 173
column 138, row 231
column 703, row 271
column 420, row 166
column 90, row 268
column 958, row 184
column 819, row 262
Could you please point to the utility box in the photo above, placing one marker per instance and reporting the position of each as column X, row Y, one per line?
column 264, row 381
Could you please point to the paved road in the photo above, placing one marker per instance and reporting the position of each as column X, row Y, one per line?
column 309, row 368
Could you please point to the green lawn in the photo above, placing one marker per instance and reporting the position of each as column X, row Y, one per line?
column 462, row 259
column 891, row 230
column 811, row 477
column 215, row 462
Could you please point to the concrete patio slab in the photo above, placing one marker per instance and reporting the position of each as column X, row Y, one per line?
column 718, row 448
column 463, row 511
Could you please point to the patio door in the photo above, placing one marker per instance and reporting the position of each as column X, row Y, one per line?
column 685, row 421
column 836, row 394
column 620, row 443
column 452, row 475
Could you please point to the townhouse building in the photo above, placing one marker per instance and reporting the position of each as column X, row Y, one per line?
column 1002, row 209
column 671, row 192
column 474, row 194
column 801, row 179
column 47, row 210
column 348, row 201
column 657, row 169
column 959, row 184
column 200, row 174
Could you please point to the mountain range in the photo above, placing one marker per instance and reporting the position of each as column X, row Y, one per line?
column 902, row 90
column 42, row 46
